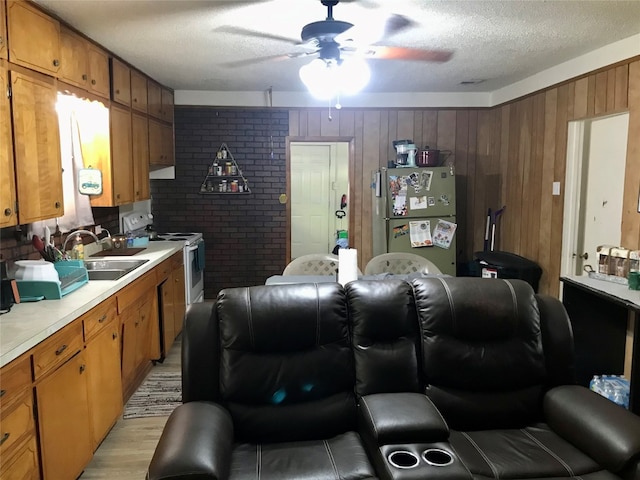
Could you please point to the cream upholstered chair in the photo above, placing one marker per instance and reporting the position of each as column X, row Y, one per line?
column 400, row 263
column 314, row 264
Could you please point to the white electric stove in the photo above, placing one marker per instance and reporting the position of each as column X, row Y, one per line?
column 193, row 252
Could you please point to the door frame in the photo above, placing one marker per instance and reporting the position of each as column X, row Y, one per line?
column 351, row 148
column 575, row 162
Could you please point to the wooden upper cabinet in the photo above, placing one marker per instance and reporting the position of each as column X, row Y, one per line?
column 160, row 144
column 36, row 146
column 120, row 82
column 34, row 38
column 74, row 58
column 3, row 31
column 8, row 216
column 98, row 71
column 154, row 99
column 167, row 105
column 138, row 91
column 140, row 135
column 121, row 156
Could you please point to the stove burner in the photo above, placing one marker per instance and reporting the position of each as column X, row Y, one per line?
column 176, row 239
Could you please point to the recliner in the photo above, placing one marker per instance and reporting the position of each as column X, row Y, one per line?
column 268, row 390
column 317, row 381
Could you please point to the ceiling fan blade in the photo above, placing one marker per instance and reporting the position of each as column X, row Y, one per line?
column 397, row 23
column 414, row 54
column 255, row 61
column 252, row 33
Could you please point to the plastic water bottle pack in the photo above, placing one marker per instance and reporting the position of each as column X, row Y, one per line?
column 613, row 387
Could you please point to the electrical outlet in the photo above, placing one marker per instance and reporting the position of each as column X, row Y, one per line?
column 556, row 188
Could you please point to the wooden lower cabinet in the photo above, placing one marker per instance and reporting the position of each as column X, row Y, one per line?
column 63, row 420
column 104, row 381
column 172, row 301
column 140, row 338
column 23, row 465
column 76, row 379
column 179, row 301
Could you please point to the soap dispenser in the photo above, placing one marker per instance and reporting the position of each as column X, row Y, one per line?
column 77, row 248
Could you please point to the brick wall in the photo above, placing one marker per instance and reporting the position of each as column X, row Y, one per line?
column 245, row 235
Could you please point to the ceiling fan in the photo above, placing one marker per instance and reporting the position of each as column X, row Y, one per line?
column 341, row 48
column 330, row 38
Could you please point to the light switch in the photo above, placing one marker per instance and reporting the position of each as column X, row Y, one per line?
column 556, row 188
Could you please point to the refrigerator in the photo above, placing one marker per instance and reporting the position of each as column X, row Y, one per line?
column 414, row 210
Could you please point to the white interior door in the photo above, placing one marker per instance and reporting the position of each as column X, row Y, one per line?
column 596, row 160
column 311, row 202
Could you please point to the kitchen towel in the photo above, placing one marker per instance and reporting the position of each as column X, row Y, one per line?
column 347, row 265
column 199, row 264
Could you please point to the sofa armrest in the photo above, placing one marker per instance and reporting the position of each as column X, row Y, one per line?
column 196, row 443
column 597, row 426
column 392, row 418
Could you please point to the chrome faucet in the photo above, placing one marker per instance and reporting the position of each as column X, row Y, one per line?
column 88, row 232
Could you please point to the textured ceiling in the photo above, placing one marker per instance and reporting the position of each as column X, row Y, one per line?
column 183, row 44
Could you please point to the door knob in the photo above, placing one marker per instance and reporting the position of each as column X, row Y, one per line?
column 584, row 256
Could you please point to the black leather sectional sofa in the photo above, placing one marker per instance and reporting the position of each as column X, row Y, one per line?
column 439, row 378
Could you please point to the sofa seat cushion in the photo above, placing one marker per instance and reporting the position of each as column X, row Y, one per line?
column 527, row 453
column 340, row 457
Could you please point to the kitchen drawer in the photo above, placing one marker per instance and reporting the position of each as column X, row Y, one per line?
column 130, row 294
column 55, row 350
column 16, row 424
column 164, row 270
column 23, row 464
column 99, row 317
column 15, row 378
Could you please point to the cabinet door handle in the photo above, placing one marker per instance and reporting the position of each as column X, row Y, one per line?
column 2, row 392
column 56, row 62
column 83, row 367
column 84, row 76
column 5, row 437
column 7, row 212
column 93, row 82
column 57, row 204
column 117, row 91
column 114, row 335
column 102, row 318
column 61, row 349
column 1, row 40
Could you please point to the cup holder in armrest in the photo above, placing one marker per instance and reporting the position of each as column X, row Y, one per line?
column 403, row 459
column 437, row 457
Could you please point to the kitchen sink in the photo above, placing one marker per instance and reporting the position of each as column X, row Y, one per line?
column 111, row 269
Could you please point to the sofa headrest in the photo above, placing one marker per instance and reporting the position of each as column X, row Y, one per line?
column 286, row 365
column 481, row 336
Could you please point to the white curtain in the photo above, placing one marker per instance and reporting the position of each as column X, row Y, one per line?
column 72, row 112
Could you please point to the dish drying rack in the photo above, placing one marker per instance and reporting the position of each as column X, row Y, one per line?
column 72, row 274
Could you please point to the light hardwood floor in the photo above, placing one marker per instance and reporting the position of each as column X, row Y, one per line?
column 126, row 452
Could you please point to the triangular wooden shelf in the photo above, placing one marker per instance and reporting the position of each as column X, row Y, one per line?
column 224, row 176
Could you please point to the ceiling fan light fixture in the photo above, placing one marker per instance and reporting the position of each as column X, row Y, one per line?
column 327, row 78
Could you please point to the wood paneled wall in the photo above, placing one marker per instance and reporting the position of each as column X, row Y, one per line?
column 508, row 155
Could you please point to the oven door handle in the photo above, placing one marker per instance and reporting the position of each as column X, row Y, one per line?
column 193, row 248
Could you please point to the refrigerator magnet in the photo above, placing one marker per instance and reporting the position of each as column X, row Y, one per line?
column 417, row 203
column 400, row 230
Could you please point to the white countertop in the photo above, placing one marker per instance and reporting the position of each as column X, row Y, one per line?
column 27, row 324
column 617, row 291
